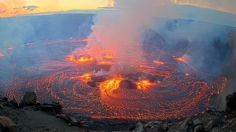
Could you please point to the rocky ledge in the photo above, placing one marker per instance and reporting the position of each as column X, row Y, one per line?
column 30, row 116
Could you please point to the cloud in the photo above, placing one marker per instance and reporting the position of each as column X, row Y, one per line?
column 30, row 8
column 220, row 5
column 11, row 8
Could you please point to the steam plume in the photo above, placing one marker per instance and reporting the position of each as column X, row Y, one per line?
column 119, row 30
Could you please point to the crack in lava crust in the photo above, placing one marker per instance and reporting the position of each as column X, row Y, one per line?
column 156, row 90
column 171, row 95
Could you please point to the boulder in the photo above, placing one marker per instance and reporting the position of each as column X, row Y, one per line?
column 211, row 124
column 217, row 129
column 7, row 125
column 139, row 127
column 182, row 126
column 4, row 99
column 4, row 102
column 156, row 126
column 187, row 125
column 29, row 99
column 13, row 103
column 230, row 103
column 197, row 122
column 199, row 128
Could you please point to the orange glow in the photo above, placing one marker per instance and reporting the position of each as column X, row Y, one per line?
column 108, row 56
column 183, row 59
column 158, row 62
column 105, row 63
column 87, row 40
column 80, row 60
column 144, row 85
column 109, row 86
column 111, row 3
column 86, row 77
column 11, row 8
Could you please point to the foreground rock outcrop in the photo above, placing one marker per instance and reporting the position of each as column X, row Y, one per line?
column 210, row 121
column 31, row 116
column 29, row 99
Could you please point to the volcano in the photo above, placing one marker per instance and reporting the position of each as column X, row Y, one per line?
column 90, row 81
column 156, row 89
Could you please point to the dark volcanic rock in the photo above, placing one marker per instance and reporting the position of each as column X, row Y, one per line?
column 231, row 103
column 7, row 125
column 139, row 127
column 13, row 103
column 54, row 108
column 69, row 119
column 211, row 124
column 156, row 126
column 92, row 83
column 29, row 99
column 99, row 78
column 128, row 84
column 199, row 128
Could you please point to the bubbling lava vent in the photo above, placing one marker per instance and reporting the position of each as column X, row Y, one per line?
column 157, row 89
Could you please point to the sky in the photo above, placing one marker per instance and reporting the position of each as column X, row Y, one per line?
column 9, row 8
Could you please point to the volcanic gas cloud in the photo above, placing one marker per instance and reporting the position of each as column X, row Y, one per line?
column 118, row 74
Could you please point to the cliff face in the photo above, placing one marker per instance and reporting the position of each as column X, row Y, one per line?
column 28, row 40
column 28, row 29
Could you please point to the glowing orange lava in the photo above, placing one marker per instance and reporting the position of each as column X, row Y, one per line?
column 159, row 62
column 86, row 77
column 108, row 56
column 183, row 59
column 109, row 86
column 80, row 60
column 145, row 85
column 157, row 91
column 105, row 63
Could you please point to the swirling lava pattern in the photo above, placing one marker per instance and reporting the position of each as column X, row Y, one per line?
column 160, row 91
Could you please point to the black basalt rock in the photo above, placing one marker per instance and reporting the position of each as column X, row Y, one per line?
column 231, row 103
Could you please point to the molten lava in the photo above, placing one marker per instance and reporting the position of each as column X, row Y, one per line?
column 157, row 89
column 183, row 59
column 108, row 56
column 108, row 87
column 145, row 85
column 80, row 60
column 86, row 77
column 159, row 62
